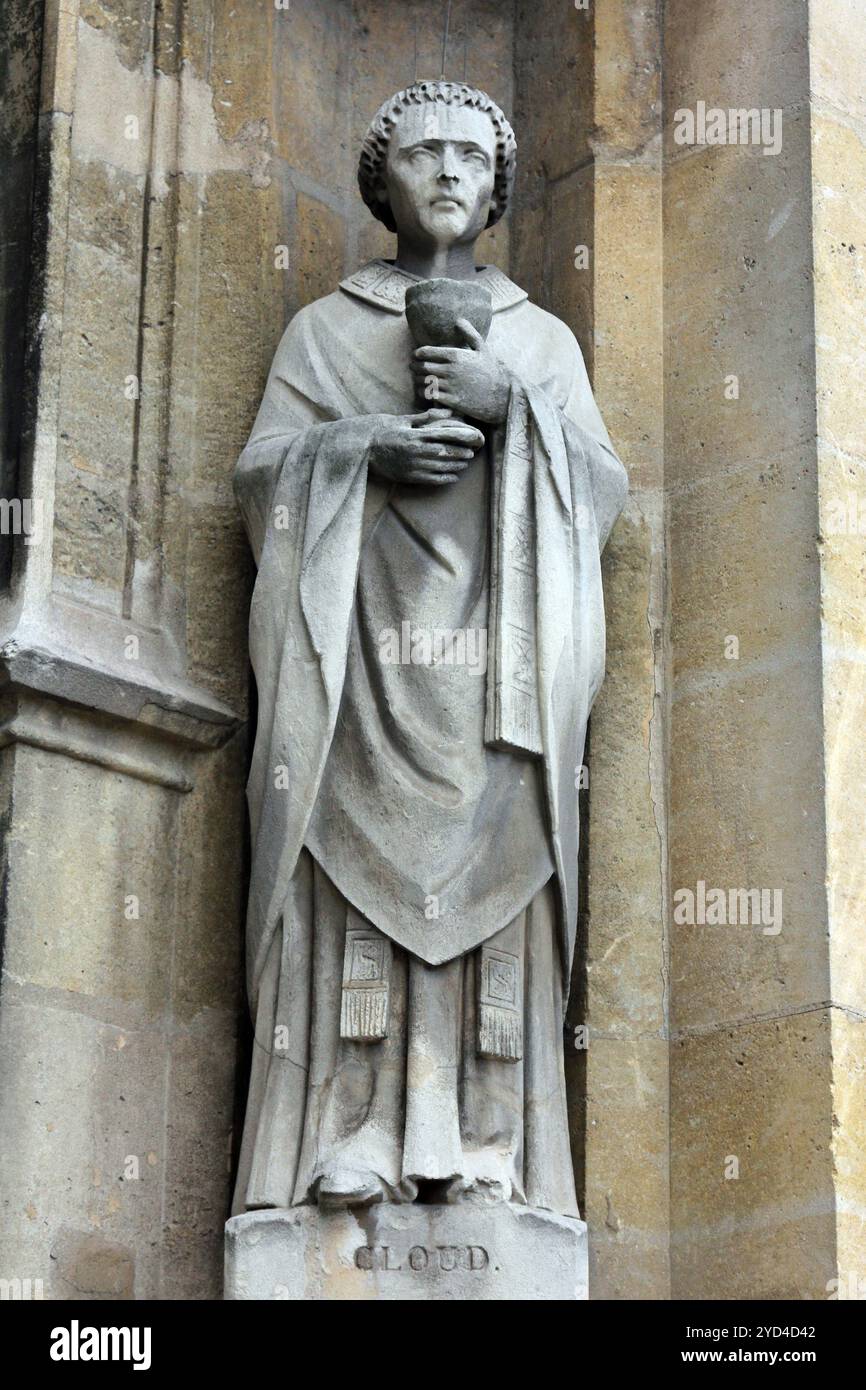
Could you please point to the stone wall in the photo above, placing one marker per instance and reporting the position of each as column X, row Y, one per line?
column 763, row 318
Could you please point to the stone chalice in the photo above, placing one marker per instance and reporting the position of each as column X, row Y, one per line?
column 433, row 308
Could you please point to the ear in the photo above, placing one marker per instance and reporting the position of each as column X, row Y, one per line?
column 381, row 194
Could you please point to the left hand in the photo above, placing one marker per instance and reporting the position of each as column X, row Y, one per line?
column 471, row 379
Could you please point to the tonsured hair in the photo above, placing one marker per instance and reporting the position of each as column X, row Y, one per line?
column 374, row 150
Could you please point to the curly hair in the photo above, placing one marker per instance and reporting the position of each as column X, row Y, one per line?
column 374, row 150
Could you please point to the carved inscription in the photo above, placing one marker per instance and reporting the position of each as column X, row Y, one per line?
column 445, row 1258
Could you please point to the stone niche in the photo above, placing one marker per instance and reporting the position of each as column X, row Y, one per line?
column 194, row 185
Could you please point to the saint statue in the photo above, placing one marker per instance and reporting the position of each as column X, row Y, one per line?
column 427, row 490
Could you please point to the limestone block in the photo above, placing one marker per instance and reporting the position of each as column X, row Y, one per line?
column 553, row 102
column 311, row 97
column 838, row 156
column 627, row 74
column 837, row 33
column 392, row 45
column 406, row 1253
column 127, row 24
column 494, row 246
column 374, row 241
column 119, row 1011
column 744, row 565
column 83, row 1142
column 627, row 1185
column 740, row 305
column 629, row 337
column 752, row 1160
column 569, row 283
column 747, row 814
column 844, row 692
column 734, row 53
column 320, row 259
column 848, row 1038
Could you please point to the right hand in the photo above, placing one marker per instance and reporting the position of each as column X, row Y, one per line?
column 431, row 448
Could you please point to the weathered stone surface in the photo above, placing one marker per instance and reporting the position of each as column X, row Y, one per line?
column 749, row 816
column 763, row 282
column 627, row 1185
column 752, row 1160
column 838, row 154
column 590, row 176
column 319, row 249
column 346, row 360
column 553, row 106
column 566, row 273
column 406, row 1253
column 628, row 294
column 627, row 78
column 625, row 947
column 836, row 33
column 118, row 1027
column 732, row 53
column 760, row 518
column 742, row 222
column 20, row 50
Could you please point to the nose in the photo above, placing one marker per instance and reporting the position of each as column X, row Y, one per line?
column 450, row 169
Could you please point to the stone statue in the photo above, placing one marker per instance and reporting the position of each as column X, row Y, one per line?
column 427, row 489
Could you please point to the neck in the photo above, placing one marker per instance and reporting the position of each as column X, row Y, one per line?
column 451, row 262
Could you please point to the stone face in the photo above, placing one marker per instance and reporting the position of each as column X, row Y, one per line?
column 406, row 1253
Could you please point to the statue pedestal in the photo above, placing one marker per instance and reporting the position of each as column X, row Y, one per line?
column 406, row 1252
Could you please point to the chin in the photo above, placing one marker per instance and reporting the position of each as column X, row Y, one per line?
column 452, row 223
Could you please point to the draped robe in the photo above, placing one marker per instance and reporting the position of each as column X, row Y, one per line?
column 372, row 792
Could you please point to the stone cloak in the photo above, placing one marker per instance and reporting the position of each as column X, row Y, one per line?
column 308, row 502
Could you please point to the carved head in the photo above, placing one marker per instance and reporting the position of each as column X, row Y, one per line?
column 438, row 162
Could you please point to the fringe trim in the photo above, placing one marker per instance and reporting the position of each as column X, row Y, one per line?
column 500, row 1034
column 364, row 1014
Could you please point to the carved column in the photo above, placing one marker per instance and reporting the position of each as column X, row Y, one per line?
column 124, row 675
